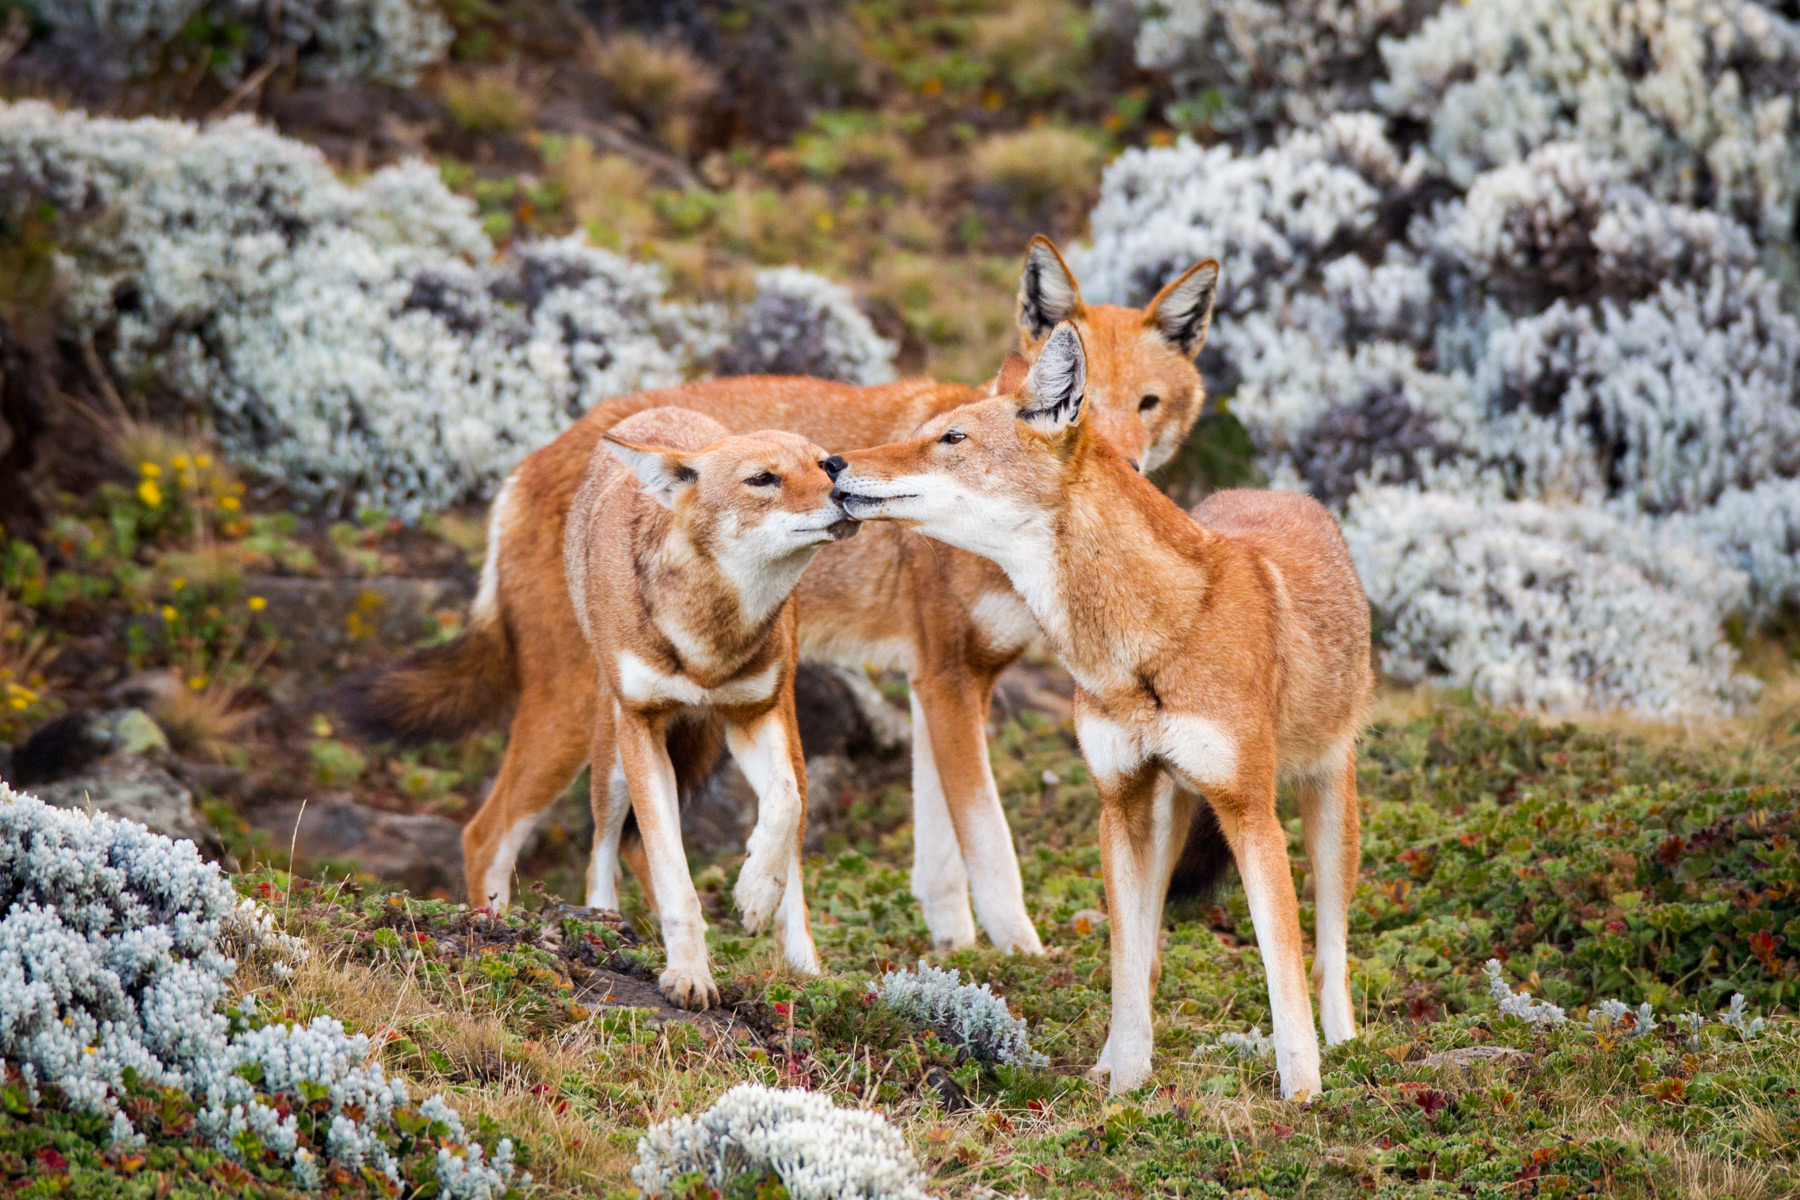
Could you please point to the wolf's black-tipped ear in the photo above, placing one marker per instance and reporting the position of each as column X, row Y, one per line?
column 1183, row 309
column 1057, row 385
column 663, row 473
column 1048, row 294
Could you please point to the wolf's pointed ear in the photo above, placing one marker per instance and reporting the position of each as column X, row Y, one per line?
column 1012, row 374
column 1183, row 309
column 1057, row 385
column 1048, row 294
column 663, row 473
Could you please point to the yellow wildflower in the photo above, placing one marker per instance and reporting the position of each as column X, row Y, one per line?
column 179, row 462
column 197, row 682
column 203, row 461
column 257, row 603
column 177, row 583
column 169, row 614
column 228, row 503
column 150, row 470
column 150, row 494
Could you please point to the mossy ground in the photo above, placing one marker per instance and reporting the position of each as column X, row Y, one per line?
column 1597, row 863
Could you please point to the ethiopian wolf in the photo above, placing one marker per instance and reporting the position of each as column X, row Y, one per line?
column 681, row 550
column 949, row 620
column 1213, row 655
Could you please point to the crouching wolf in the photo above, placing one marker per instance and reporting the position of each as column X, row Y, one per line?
column 681, row 582
column 1213, row 654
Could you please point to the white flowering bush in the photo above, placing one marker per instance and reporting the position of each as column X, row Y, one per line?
column 109, row 953
column 1254, row 1044
column 970, row 1018
column 363, row 346
column 804, row 324
column 359, row 345
column 1519, row 1004
column 1739, row 1021
column 383, row 41
column 112, row 979
column 1244, row 65
column 1553, row 263
column 1532, row 605
column 1611, row 1014
column 815, row 1149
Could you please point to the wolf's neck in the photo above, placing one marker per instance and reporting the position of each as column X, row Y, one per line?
column 1109, row 578
column 715, row 610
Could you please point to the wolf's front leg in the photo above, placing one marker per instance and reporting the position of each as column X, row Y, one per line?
column 650, row 778
column 766, row 749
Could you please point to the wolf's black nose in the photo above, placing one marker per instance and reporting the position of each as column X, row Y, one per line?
column 834, row 464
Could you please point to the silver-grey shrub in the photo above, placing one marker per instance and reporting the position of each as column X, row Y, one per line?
column 804, row 324
column 331, row 41
column 111, row 961
column 817, row 1150
column 364, row 346
column 109, row 952
column 972, row 1019
column 1555, row 266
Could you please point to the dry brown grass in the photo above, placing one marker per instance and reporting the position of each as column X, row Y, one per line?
column 209, row 720
column 1042, row 167
column 660, row 83
column 488, row 102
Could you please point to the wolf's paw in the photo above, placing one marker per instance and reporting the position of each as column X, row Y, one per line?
column 689, row 988
column 759, row 889
column 1120, row 1068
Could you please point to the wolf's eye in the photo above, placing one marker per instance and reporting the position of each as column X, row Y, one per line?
column 1149, row 402
column 766, row 479
column 953, row 437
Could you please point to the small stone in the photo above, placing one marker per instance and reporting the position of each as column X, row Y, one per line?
column 1051, row 778
column 1468, row 1056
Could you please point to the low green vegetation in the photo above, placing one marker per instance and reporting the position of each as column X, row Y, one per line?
column 1597, row 865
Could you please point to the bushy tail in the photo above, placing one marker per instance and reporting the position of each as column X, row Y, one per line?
column 1203, row 859
column 438, row 694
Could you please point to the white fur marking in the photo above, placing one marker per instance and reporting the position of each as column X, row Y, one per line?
column 641, row 683
column 761, row 751
column 603, row 865
column 496, row 884
column 1112, row 750
column 487, row 596
column 1005, row 621
column 1199, row 748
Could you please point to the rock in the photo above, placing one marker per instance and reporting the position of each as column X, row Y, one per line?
column 116, row 763
column 145, row 689
column 135, row 789
column 716, row 818
column 1468, row 1056
column 1024, row 687
column 419, row 851
column 949, row 1092
column 841, row 712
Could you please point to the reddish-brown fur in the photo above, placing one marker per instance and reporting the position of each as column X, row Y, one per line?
column 947, row 618
column 1213, row 654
